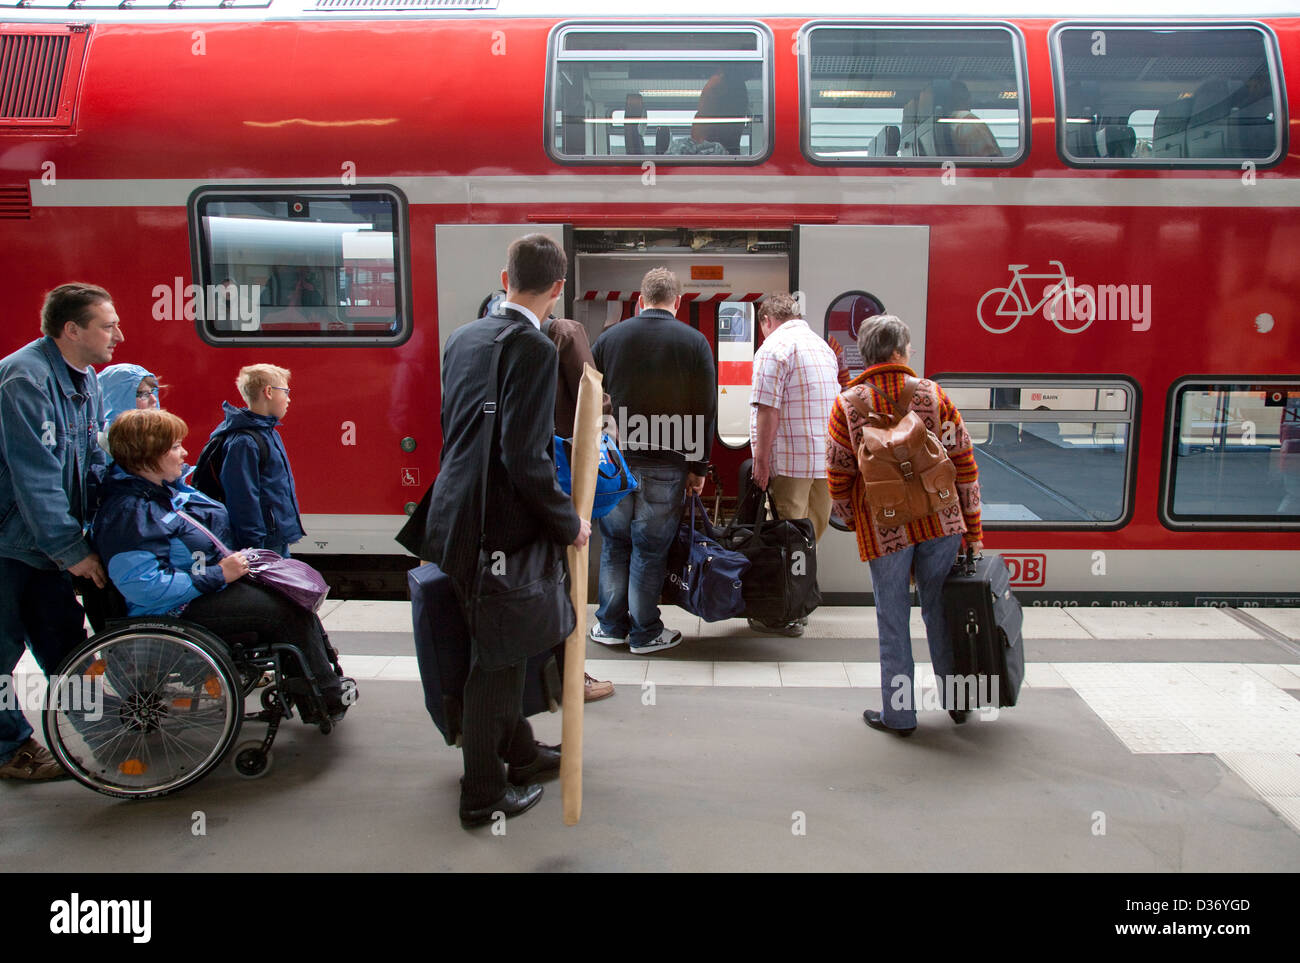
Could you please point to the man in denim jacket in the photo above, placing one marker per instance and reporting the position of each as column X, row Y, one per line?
column 50, row 413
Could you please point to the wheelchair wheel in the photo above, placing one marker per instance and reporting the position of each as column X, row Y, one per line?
column 144, row 710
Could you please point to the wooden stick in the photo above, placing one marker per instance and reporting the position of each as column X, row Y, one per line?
column 584, row 462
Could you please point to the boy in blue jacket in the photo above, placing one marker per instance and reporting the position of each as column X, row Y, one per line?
column 255, row 472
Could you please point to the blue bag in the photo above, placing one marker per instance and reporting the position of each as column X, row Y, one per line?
column 613, row 478
column 704, row 578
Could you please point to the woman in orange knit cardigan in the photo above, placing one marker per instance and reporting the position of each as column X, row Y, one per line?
column 929, row 545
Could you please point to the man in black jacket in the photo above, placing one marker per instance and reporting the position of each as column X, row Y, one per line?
column 663, row 383
column 524, row 504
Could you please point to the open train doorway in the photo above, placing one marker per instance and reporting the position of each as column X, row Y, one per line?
column 724, row 274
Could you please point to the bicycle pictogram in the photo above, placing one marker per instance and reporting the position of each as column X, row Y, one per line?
column 1000, row 309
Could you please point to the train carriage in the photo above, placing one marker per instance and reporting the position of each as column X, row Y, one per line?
column 1087, row 221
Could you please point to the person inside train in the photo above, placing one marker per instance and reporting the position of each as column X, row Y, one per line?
column 163, row 563
column 970, row 136
column 723, row 110
column 255, row 473
column 926, row 547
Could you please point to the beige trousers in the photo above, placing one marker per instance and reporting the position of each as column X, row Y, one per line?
column 802, row 498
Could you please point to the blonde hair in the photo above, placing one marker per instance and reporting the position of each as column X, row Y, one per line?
column 254, row 377
column 139, row 437
column 659, row 288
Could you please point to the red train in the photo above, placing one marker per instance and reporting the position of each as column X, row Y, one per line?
column 1088, row 223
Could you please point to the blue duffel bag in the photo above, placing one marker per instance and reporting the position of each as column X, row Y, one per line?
column 703, row 577
column 614, row 479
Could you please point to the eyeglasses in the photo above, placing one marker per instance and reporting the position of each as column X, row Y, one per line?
column 147, row 393
column 278, row 388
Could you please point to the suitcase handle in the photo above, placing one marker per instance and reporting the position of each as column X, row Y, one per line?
column 966, row 561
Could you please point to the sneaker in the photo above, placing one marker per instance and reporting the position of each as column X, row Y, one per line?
column 666, row 639
column 790, row 630
column 32, row 763
column 597, row 634
column 594, row 690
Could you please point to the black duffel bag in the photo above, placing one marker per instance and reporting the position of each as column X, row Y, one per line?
column 781, row 584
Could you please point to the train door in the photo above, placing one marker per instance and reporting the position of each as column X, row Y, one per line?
column 723, row 276
column 849, row 272
column 846, row 274
column 470, row 259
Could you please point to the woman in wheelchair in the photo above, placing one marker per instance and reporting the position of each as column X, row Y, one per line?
column 163, row 564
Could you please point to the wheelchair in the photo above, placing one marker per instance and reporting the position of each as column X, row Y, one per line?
column 150, row 704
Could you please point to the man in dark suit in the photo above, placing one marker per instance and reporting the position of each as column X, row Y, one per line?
column 524, row 504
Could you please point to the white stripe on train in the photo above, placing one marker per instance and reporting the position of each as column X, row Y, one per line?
column 553, row 191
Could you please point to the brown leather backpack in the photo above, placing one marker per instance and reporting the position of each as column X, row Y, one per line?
column 906, row 473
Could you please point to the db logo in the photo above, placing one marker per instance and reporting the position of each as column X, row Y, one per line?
column 1027, row 571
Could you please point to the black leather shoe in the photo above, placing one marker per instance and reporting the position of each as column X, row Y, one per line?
column 872, row 718
column 547, row 762
column 959, row 716
column 514, row 801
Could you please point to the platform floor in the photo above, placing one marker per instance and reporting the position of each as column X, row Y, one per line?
column 1158, row 740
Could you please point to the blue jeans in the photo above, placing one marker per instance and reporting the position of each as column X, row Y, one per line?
column 635, row 538
column 889, row 574
column 38, row 608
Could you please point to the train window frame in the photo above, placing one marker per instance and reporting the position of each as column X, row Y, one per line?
column 1059, row 83
column 555, row 57
column 200, row 258
column 1168, row 468
column 1023, row 106
column 1128, row 487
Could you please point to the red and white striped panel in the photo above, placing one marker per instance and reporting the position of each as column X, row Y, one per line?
column 700, row 296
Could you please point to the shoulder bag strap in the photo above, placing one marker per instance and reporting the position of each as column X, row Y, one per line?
column 221, row 549
column 905, row 399
column 489, row 424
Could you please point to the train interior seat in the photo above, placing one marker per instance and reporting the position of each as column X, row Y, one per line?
column 1207, row 124
column 1116, row 140
column 909, row 136
column 886, row 142
column 663, row 137
column 1081, row 122
column 1251, row 132
column 1169, row 132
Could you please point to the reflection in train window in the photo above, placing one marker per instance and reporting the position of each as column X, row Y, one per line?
column 302, row 266
column 1233, row 455
column 1186, row 95
column 896, row 95
column 1056, row 452
column 685, row 94
column 735, row 371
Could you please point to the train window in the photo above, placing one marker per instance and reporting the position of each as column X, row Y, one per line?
column 1192, row 96
column 315, row 266
column 1232, row 455
column 1053, row 452
column 844, row 319
column 735, row 327
column 680, row 94
column 899, row 95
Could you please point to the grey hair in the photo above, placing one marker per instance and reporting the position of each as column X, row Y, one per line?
column 881, row 337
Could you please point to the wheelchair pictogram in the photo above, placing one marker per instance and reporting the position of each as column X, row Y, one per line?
column 1000, row 309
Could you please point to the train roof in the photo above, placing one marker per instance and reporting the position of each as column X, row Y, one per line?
column 236, row 10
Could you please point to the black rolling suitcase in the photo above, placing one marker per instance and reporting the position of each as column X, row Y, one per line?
column 442, row 650
column 984, row 622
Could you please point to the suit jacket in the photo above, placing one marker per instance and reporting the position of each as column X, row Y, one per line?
column 574, row 348
column 524, row 502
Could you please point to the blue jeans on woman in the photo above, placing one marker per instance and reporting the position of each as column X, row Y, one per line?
column 889, row 585
column 634, row 542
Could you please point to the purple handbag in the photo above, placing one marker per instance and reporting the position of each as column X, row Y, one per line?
column 297, row 581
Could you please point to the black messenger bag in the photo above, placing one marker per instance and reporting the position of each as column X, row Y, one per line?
column 781, row 584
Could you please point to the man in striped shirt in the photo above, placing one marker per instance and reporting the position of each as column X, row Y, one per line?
column 795, row 384
column 927, row 546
